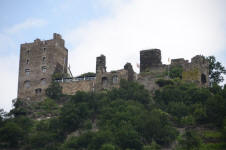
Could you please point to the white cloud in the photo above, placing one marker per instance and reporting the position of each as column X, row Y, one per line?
column 180, row 28
column 27, row 24
column 9, row 79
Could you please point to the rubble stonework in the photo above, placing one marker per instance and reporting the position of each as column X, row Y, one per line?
column 150, row 59
column 196, row 71
column 41, row 59
column 38, row 61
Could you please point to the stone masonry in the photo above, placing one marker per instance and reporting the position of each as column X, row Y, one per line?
column 38, row 61
column 41, row 59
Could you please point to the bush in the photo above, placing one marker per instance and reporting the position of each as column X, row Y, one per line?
column 107, row 147
column 162, row 82
column 54, row 91
column 176, row 72
column 190, row 141
column 11, row 134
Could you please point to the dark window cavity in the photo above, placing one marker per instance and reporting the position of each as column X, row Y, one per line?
column 38, row 91
column 203, row 78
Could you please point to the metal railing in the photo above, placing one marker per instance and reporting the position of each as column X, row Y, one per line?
column 75, row 79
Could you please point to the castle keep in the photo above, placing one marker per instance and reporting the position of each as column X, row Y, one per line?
column 41, row 59
column 38, row 61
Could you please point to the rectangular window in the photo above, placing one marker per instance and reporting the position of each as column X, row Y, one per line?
column 44, row 49
column 27, row 71
column 44, row 68
column 44, row 59
column 28, row 52
column 27, row 61
column 38, row 91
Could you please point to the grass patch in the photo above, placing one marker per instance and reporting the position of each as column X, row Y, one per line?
column 212, row 134
column 213, row 146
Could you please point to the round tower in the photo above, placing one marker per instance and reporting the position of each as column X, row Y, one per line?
column 150, row 59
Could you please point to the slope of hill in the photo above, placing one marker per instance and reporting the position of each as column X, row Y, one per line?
column 179, row 116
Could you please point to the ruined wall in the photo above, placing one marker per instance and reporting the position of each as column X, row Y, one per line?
column 148, row 79
column 70, row 88
column 131, row 74
column 151, row 69
column 197, row 71
column 109, row 80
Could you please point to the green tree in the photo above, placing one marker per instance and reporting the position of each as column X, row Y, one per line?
column 2, row 115
column 11, row 134
column 127, row 137
column 153, row 146
column 190, row 141
column 107, row 147
column 54, row 91
column 175, row 72
column 216, row 109
column 216, row 70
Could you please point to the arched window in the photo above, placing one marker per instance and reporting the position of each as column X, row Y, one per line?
column 28, row 52
column 104, row 81
column 43, row 81
column 44, row 49
column 27, row 72
column 27, row 61
column 203, row 78
column 115, row 79
column 43, row 59
column 27, row 84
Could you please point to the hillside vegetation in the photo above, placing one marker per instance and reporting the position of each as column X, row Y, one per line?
column 123, row 119
column 178, row 116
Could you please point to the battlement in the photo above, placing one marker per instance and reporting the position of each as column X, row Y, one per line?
column 57, row 41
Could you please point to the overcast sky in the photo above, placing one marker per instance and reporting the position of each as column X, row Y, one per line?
column 119, row 29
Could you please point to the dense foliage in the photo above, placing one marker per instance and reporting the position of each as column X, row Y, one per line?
column 127, row 118
column 215, row 70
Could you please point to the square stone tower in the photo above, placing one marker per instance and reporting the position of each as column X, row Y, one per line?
column 38, row 61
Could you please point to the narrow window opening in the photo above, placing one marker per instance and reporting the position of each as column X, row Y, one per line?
column 115, row 79
column 44, row 49
column 28, row 52
column 27, row 71
column 44, row 59
column 203, row 78
column 104, row 82
column 44, row 68
column 27, row 61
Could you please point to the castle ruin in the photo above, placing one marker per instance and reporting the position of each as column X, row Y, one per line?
column 41, row 59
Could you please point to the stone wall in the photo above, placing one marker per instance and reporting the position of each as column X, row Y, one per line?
column 150, row 59
column 70, row 88
column 38, row 61
column 197, row 71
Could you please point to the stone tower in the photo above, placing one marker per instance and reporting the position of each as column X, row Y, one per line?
column 150, row 59
column 101, row 64
column 38, row 61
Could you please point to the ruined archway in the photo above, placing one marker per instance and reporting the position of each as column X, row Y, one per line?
column 203, row 78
